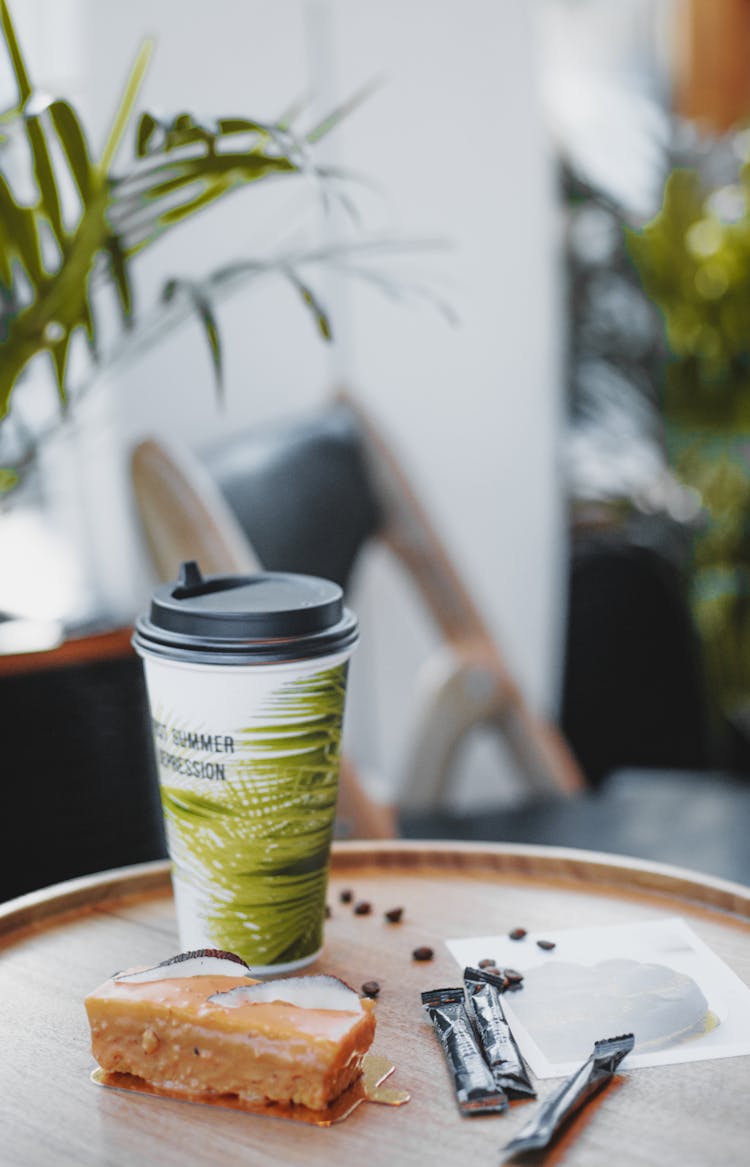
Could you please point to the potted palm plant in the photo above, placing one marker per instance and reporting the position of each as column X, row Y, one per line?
column 88, row 220
column 68, row 250
column 75, row 239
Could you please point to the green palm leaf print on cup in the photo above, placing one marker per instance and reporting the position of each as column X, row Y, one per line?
column 253, row 849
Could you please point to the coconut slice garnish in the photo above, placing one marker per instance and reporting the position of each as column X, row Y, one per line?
column 313, row 992
column 213, row 962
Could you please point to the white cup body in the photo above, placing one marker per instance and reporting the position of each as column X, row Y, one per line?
column 248, row 762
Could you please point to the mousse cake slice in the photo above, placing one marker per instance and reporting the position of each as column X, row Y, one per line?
column 199, row 1025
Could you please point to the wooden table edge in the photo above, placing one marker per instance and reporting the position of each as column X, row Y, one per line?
column 515, row 860
column 532, row 860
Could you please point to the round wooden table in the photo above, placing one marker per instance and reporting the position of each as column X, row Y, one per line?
column 58, row 944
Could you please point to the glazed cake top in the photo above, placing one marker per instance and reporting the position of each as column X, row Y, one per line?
column 187, row 998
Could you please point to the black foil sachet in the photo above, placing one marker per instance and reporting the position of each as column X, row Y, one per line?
column 475, row 1087
column 498, row 1043
column 575, row 1090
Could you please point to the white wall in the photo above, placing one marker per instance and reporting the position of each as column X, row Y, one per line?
column 455, row 137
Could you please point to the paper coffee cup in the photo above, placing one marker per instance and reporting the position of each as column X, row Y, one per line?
column 246, row 679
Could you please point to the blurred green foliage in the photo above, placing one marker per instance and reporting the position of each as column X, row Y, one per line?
column 694, row 262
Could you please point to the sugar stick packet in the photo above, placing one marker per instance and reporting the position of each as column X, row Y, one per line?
column 575, row 1090
column 495, row 1036
column 475, row 1088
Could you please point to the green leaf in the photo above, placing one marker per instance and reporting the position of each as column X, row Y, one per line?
column 49, row 198
column 73, row 141
column 20, row 231
column 200, row 180
column 119, row 271
column 342, row 111
column 311, row 301
column 59, row 354
column 6, row 254
column 8, row 479
column 125, row 109
column 156, row 135
column 89, row 328
column 147, row 126
column 201, row 303
column 210, row 169
column 227, row 126
column 14, row 49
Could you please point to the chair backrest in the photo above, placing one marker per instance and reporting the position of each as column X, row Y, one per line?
column 301, row 491
column 183, row 513
column 306, row 496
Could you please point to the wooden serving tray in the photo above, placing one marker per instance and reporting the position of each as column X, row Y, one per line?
column 58, row 944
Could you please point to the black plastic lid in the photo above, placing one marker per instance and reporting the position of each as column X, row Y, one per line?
column 239, row 619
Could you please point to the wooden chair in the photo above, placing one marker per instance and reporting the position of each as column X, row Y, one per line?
column 307, row 496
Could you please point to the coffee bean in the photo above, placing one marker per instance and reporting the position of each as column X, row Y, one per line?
column 486, row 963
column 423, row 953
column 370, row 989
column 346, row 896
column 513, row 976
column 393, row 915
column 547, row 945
column 517, row 934
column 363, row 908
